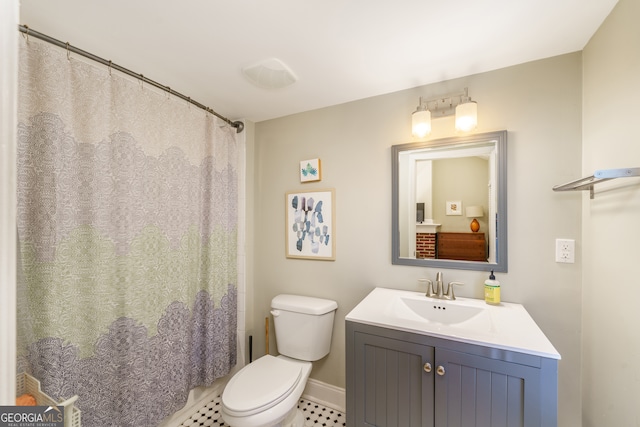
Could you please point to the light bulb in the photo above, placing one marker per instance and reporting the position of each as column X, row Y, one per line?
column 466, row 116
column 421, row 122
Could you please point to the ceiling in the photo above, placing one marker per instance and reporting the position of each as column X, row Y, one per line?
column 340, row 50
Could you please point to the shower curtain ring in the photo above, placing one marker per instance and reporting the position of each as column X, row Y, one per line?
column 141, row 80
column 27, row 32
column 110, row 64
column 68, row 53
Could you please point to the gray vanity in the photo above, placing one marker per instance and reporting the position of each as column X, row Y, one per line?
column 418, row 361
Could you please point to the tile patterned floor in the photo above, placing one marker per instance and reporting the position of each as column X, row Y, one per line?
column 314, row 415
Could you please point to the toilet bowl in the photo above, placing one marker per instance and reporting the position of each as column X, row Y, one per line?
column 265, row 393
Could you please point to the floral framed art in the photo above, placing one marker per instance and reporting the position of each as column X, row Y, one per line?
column 310, row 224
column 310, row 170
column 454, row 208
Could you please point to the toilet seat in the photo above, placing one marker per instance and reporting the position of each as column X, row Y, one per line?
column 260, row 385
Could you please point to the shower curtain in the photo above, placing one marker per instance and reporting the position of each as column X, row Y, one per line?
column 127, row 231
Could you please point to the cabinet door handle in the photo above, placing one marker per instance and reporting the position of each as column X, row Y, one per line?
column 427, row 367
column 440, row 370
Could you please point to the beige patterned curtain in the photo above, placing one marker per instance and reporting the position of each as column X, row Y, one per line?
column 127, row 226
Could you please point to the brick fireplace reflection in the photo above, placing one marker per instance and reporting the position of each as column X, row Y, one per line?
column 425, row 245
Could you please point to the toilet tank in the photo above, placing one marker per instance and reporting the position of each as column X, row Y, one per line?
column 303, row 326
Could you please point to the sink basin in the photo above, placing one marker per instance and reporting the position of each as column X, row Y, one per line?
column 442, row 313
column 506, row 326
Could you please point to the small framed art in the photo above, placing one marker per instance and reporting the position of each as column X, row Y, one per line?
column 454, row 207
column 310, row 170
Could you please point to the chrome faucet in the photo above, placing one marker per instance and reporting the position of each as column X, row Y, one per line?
column 449, row 293
column 434, row 292
column 438, row 292
column 439, row 286
column 429, row 293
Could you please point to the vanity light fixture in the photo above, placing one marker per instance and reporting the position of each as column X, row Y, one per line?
column 460, row 104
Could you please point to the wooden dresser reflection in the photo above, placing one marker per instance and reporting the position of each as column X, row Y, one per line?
column 462, row 246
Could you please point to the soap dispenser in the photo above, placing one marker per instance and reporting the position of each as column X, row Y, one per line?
column 492, row 290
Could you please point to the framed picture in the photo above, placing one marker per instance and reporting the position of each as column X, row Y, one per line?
column 310, row 225
column 454, row 207
column 310, row 170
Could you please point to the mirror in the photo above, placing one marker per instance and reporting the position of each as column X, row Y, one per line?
column 439, row 188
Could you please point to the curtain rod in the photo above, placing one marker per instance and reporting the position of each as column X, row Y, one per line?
column 29, row 32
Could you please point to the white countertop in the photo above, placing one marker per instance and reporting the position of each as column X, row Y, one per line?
column 505, row 326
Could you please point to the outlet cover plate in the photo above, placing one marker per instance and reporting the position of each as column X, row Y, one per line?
column 566, row 251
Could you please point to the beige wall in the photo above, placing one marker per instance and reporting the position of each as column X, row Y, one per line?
column 539, row 103
column 611, row 227
column 465, row 180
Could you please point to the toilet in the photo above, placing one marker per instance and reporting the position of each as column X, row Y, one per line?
column 265, row 393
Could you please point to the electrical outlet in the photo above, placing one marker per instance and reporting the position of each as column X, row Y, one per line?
column 566, row 250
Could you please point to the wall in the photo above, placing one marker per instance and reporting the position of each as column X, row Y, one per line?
column 539, row 103
column 463, row 180
column 246, row 301
column 611, row 340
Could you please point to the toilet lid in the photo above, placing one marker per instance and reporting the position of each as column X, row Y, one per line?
column 261, row 385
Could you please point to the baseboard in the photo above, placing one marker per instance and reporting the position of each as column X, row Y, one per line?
column 325, row 394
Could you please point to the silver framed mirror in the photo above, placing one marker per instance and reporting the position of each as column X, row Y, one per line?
column 449, row 203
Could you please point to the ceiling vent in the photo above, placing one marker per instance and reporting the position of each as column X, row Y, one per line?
column 270, row 74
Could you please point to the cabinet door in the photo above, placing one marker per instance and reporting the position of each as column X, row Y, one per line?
column 477, row 391
column 392, row 387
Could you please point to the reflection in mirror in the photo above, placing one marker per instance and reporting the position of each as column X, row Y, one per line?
column 449, row 207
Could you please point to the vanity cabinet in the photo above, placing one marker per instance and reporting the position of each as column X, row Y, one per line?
column 390, row 387
column 404, row 379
